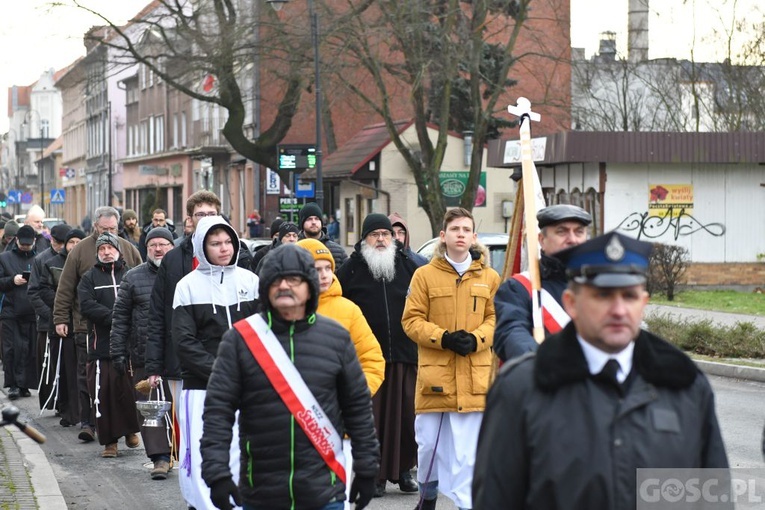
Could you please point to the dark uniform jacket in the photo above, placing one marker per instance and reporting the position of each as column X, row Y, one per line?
column 97, row 292
column 269, row 438
column 382, row 302
column 161, row 358
column 43, row 309
column 50, row 274
column 554, row 438
column 130, row 321
column 512, row 336
column 15, row 302
column 206, row 304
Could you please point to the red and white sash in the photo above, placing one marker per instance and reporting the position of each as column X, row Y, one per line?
column 294, row 392
column 554, row 316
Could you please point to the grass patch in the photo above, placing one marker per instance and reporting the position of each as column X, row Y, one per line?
column 744, row 340
column 728, row 301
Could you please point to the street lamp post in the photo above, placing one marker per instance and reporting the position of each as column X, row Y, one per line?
column 277, row 5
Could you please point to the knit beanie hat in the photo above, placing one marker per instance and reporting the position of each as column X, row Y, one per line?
column 75, row 232
column 308, row 210
column 108, row 238
column 375, row 221
column 129, row 214
column 11, row 228
column 275, row 226
column 286, row 228
column 159, row 232
column 318, row 250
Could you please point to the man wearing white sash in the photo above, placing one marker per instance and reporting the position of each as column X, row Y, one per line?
column 560, row 226
column 295, row 379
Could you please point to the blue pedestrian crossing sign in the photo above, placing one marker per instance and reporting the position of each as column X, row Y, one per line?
column 57, row 196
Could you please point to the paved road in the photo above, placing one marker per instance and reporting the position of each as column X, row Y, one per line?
column 89, row 482
column 693, row 315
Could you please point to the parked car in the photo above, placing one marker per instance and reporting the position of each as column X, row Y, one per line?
column 496, row 243
column 256, row 244
column 48, row 222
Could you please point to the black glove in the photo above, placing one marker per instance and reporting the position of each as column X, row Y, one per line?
column 221, row 493
column 461, row 342
column 119, row 365
column 362, row 490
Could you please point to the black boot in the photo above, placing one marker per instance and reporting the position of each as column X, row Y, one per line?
column 13, row 393
column 426, row 504
column 379, row 490
column 406, row 482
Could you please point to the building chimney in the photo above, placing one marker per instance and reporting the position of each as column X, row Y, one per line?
column 607, row 48
column 637, row 42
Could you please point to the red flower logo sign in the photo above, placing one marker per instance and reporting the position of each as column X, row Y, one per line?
column 659, row 194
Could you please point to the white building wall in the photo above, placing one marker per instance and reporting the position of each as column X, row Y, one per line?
column 725, row 224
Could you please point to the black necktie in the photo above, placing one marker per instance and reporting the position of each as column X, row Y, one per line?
column 608, row 375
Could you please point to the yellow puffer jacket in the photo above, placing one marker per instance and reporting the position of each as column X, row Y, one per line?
column 439, row 301
column 332, row 304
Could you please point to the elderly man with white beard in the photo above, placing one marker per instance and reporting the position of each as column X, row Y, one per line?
column 376, row 277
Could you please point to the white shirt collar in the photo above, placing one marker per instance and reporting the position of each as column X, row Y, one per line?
column 597, row 359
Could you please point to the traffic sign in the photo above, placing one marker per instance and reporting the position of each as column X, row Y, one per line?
column 304, row 189
column 57, row 196
column 70, row 173
column 26, row 198
column 14, row 196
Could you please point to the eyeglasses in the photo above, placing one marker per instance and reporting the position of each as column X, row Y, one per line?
column 292, row 280
column 202, row 214
column 384, row 234
column 157, row 246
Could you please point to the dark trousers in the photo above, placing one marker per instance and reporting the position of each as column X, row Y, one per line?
column 19, row 353
column 68, row 392
column 87, row 416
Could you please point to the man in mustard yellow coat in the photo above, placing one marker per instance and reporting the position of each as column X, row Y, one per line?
column 450, row 315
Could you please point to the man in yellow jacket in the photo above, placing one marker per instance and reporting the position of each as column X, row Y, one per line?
column 450, row 315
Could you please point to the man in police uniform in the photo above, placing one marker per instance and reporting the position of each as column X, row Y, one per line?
column 561, row 226
column 568, row 426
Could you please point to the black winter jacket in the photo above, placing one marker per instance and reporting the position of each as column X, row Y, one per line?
column 512, row 303
column 15, row 302
column 50, row 274
column 97, row 292
column 553, row 437
column 161, row 358
column 382, row 302
column 130, row 320
column 206, row 303
column 43, row 309
column 269, row 438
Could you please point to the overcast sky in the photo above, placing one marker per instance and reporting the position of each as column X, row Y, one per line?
column 34, row 37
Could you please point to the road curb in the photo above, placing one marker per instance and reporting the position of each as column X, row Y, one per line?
column 732, row 371
column 44, row 483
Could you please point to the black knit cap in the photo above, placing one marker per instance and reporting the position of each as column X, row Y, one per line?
column 308, row 210
column 162, row 232
column 275, row 226
column 76, row 232
column 375, row 221
column 286, row 228
column 289, row 260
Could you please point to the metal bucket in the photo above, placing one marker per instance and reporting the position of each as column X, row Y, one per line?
column 153, row 411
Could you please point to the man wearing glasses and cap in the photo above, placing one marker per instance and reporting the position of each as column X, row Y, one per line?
column 568, row 426
column 560, row 226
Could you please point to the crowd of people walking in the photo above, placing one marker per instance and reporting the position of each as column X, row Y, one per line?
column 302, row 377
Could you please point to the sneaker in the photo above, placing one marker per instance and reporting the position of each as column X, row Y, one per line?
column 86, row 434
column 131, row 441
column 379, row 490
column 24, row 392
column 406, row 482
column 13, row 393
column 161, row 467
column 110, row 451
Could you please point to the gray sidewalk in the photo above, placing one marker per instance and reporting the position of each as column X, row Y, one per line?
column 27, row 480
